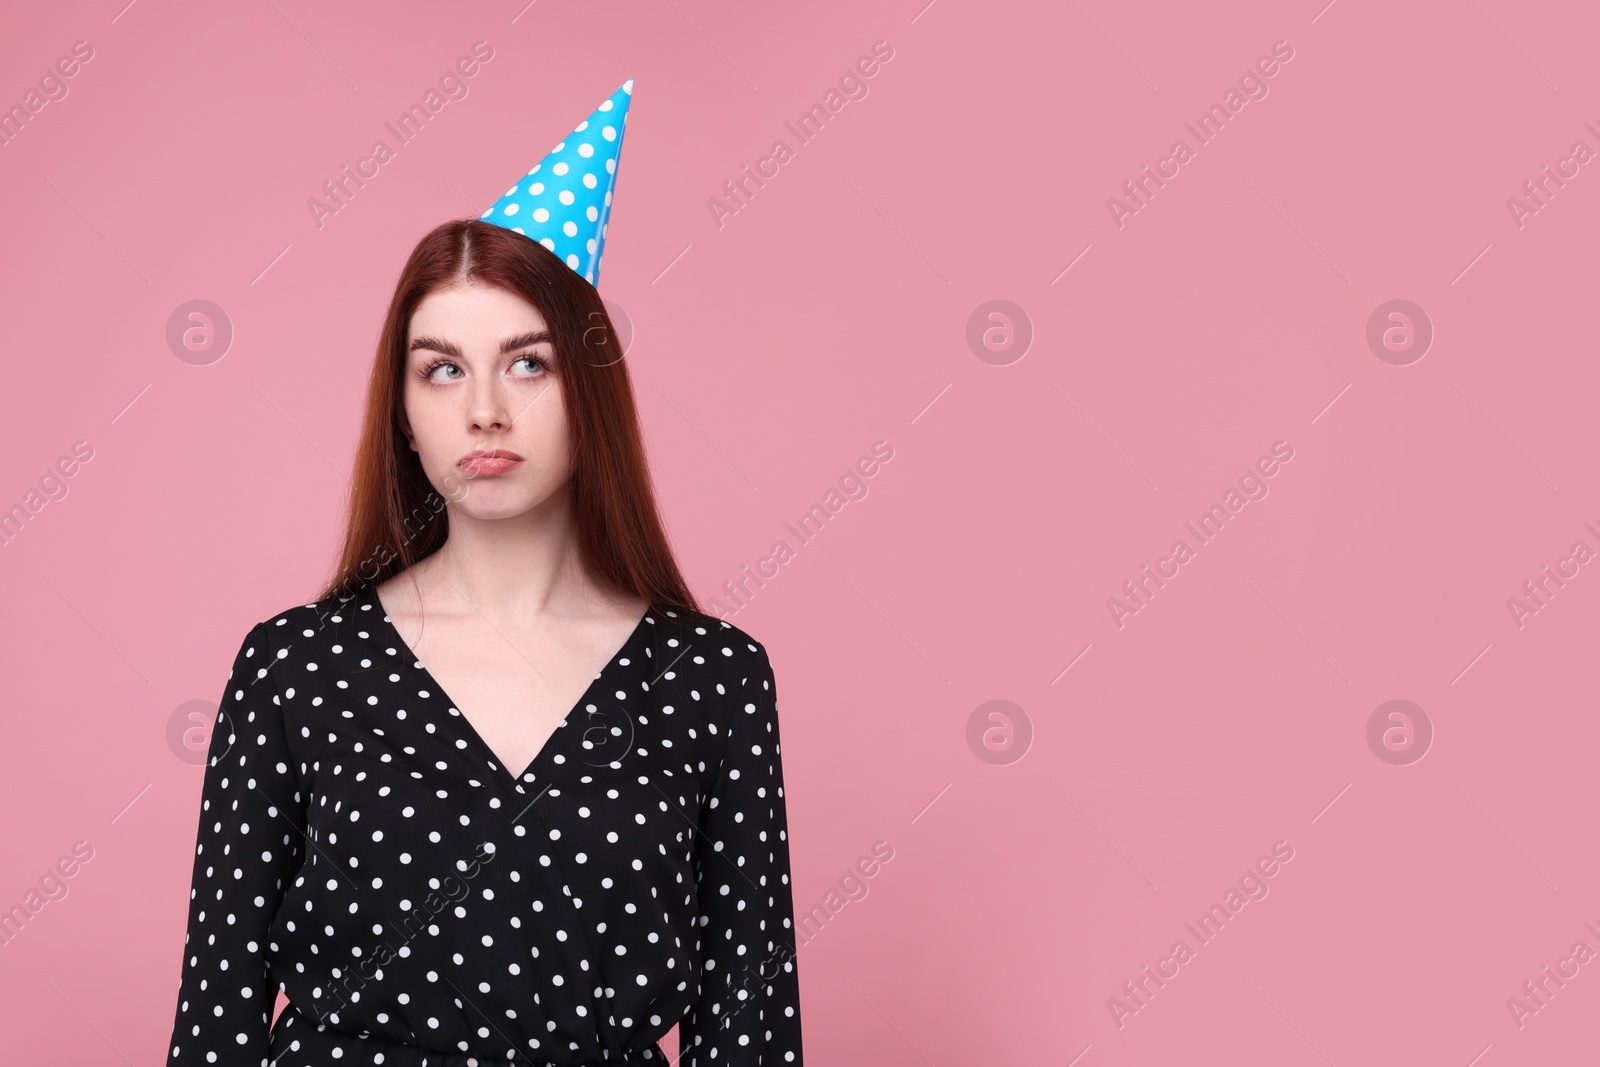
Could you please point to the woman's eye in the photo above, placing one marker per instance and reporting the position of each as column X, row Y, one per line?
column 535, row 364
column 432, row 373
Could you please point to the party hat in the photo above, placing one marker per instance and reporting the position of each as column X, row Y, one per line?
column 564, row 201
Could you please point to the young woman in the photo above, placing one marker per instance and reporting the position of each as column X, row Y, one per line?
column 502, row 793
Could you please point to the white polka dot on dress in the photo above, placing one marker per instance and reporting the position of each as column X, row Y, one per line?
column 361, row 850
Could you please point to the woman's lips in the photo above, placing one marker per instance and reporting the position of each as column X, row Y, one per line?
column 497, row 462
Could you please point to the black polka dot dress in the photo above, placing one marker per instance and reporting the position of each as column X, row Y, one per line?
column 361, row 849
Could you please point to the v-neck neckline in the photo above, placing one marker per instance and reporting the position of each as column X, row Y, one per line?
column 471, row 732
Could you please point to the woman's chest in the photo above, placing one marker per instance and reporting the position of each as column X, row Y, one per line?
column 510, row 705
column 383, row 740
column 615, row 798
column 514, row 690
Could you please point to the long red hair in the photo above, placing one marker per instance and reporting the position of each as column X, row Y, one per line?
column 397, row 518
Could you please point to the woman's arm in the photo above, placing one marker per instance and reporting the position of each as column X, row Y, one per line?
column 748, row 1008
column 249, row 844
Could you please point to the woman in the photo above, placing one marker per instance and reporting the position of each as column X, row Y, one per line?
column 502, row 792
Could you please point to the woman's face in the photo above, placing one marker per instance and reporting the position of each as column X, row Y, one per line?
column 479, row 379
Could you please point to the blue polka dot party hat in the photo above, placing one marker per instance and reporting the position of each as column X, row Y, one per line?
column 564, row 201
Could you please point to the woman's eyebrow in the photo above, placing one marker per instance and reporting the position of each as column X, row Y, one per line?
column 532, row 338
column 510, row 344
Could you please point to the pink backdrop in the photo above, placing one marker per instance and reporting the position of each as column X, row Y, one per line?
column 1150, row 355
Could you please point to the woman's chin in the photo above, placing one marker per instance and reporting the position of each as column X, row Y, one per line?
column 488, row 504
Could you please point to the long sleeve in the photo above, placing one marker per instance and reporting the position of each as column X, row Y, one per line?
column 249, row 845
column 747, row 1012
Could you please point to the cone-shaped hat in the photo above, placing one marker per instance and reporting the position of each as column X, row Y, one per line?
column 564, row 201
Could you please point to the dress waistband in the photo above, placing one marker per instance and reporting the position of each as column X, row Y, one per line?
column 297, row 1041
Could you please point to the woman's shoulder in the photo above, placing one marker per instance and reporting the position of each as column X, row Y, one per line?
column 721, row 637
column 327, row 616
column 313, row 618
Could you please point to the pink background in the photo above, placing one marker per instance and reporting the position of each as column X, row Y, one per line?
column 831, row 312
